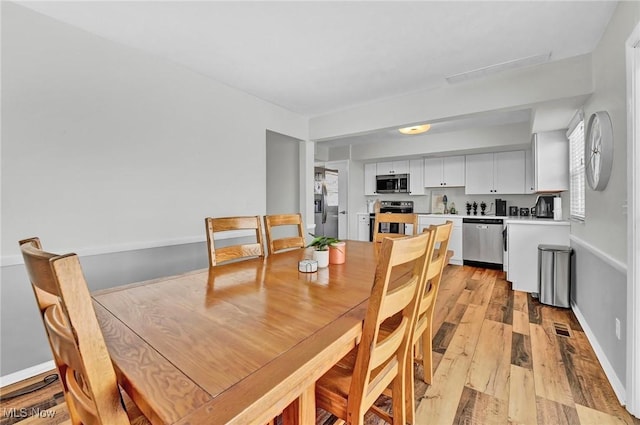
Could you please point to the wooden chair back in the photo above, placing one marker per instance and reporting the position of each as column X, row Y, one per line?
column 423, row 328
column 233, row 252
column 89, row 380
column 381, row 358
column 401, row 218
column 285, row 243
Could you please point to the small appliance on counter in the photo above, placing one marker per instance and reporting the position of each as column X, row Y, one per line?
column 544, row 206
column 524, row 212
column 513, row 211
column 501, row 207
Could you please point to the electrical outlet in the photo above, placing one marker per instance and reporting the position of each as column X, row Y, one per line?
column 617, row 328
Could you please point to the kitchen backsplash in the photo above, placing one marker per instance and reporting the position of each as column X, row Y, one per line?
column 422, row 204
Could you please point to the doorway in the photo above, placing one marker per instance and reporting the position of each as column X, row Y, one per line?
column 283, row 174
column 343, row 196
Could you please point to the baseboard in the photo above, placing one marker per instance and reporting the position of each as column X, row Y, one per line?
column 618, row 388
column 27, row 373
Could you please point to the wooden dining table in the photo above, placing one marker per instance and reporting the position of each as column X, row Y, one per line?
column 237, row 343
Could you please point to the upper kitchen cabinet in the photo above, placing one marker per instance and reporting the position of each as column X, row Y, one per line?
column 550, row 155
column 416, row 182
column 393, row 167
column 370, row 171
column 529, row 183
column 500, row 173
column 441, row 172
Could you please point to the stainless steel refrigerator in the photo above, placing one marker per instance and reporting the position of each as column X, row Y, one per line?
column 326, row 202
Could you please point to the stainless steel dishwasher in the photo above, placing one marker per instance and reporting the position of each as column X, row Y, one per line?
column 482, row 243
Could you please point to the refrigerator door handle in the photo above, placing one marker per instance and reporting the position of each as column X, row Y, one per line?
column 324, row 203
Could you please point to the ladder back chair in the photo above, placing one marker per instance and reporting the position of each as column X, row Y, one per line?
column 86, row 372
column 350, row 388
column 401, row 218
column 275, row 245
column 233, row 252
column 423, row 329
column 424, row 324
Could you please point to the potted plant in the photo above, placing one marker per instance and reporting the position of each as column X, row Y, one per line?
column 327, row 250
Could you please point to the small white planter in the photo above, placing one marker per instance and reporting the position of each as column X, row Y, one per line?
column 322, row 257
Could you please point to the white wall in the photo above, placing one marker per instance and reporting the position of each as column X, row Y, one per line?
column 118, row 156
column 566, row 79
column 106, row 148
column 605, row 223
column 601, row 241
column 494, row 138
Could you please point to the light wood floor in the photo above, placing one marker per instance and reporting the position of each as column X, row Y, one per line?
column 501, row 358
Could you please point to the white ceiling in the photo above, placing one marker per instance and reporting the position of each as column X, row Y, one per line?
column 314, row 58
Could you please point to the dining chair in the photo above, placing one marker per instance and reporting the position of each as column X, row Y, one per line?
column 350, row 388
column 401, row 218
column 233, row 252
column 423, row 330
column 283, row 243
column 89, row 381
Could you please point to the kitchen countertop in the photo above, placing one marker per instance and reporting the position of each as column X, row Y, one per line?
column 507, row 219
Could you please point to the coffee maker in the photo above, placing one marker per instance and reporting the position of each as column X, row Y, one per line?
column 501, row 207
column 544, row 206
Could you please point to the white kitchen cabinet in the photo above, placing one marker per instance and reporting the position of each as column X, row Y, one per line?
column 529, row 183
column 416, row 174
column 523, row 238
column 455, row 242
column 393, row 167
column 370, row 171
column 448, row 171
column 363, row 227
column 500, row 173
column 408, row 229
column 550, row 151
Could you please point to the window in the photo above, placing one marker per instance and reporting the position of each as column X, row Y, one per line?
column 576, row 167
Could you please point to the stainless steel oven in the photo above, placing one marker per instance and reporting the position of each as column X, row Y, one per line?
column 390, row 207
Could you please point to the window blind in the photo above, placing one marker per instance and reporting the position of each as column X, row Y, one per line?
column 576, row 172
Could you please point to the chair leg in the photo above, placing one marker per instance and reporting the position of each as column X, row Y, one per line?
column 409, row 391
column 427, row 355
column 398, row 402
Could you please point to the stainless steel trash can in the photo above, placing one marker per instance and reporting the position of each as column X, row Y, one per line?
column 554, row 274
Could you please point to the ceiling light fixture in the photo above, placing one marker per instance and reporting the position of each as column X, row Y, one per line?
column 416, row 129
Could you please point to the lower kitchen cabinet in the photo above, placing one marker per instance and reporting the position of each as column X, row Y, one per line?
column 363, row 227
column 521, row 257
column 455, row 242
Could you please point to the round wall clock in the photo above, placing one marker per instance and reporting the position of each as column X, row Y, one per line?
column 598, row 150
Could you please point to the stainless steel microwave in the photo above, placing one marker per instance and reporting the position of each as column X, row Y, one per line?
column 393, row 183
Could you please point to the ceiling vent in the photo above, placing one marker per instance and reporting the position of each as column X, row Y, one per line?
column 494, row 69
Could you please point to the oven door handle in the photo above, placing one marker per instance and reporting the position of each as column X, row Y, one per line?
column 504, row 238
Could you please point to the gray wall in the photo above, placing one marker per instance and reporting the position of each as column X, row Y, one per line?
column 23, row 339
column 599, row 291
